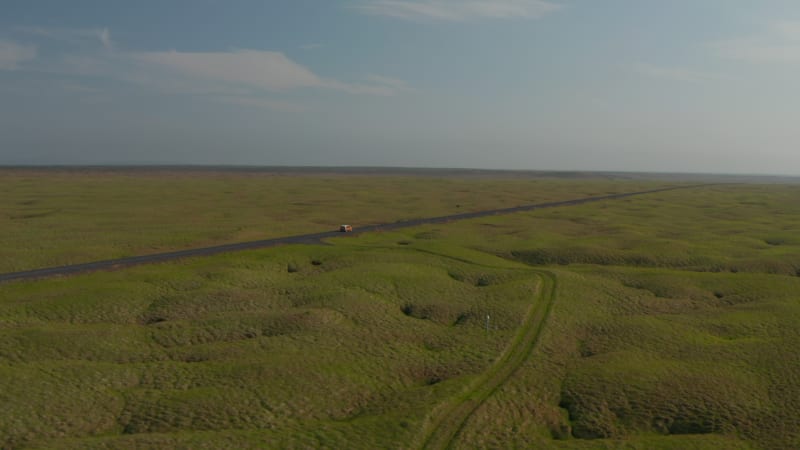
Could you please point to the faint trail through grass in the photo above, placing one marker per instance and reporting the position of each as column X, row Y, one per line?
column 448, row 419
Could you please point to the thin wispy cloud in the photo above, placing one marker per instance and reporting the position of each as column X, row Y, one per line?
column 12, row 54
column 105, row 38
column 259, row 69
column 75, row 36
column 242, row 76
column 457, row 10
column 678, row 74
column 779, row 43
column 261, row 103
column 395, row 84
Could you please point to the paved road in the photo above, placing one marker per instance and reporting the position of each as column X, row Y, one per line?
column 302, row 239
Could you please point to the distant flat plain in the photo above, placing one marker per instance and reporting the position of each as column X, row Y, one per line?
column 673, row 321
column 65, row 216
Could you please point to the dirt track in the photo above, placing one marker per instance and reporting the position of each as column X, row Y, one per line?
column 447, row 421
column 301, row 239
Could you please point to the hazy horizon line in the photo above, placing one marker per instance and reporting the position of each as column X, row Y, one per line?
column 353, row 168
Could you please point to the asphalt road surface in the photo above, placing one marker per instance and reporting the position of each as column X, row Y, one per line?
column 313, row 238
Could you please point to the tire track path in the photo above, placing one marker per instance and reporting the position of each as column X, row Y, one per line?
column 447, row 421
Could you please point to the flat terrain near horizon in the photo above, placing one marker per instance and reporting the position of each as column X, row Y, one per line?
column 53, row 217
column 660, row 321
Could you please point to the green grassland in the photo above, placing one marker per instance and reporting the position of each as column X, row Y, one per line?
column 57, row 217
column 672, row 324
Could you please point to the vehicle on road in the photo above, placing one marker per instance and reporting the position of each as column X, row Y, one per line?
column 345, row 228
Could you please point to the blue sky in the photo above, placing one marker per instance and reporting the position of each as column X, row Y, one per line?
column 636, row 85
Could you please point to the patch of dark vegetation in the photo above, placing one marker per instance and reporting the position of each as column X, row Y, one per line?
column 566, row 405
column 478, row 279
column 718, row 294
column 689, row 425
column 403, row 242
column 456, row 276
column 292, row 267
column 180, row 333
column 607, row 257
column 433, row 380
column 212, row 275
column 316, row 262
column 35, row 215
column 251, row 334
column 775, row 241
column 637, row 285
column 539, row 257
column 736, row 299
column 774, row 267
column 600, row 426
column 668, row 289
column 153, row 320
column 441, row 313
column 416, row 311
column 433, row 234
column 560, row 431
column 435, row 345
column 195, row 358
column 462, row 319
column 586, row 350
column 609, row 407
column 431, row 374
